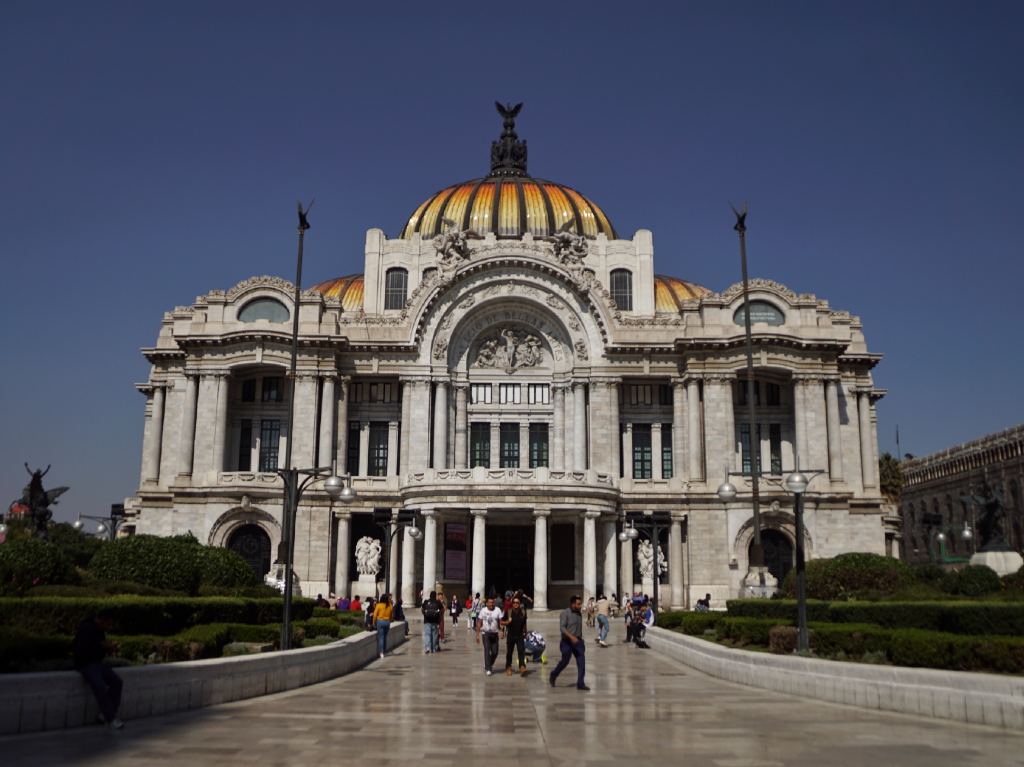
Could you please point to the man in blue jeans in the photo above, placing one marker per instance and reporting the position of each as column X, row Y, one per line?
column 432, row 610
column 570, row 627
column 603, row 614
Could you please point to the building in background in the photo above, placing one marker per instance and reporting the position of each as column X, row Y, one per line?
column 517, row 373
column 937, row 490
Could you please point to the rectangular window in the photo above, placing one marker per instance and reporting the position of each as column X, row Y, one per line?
column 249, row 390
column 775, row 443
column 270, row 438
column 509, row 455
column 538, row 445
column 508, row 394
column 380, row 392
column 642, row 451
column 378, row 457
column 395, row 287
column 352, row 452
column 245, row 444
column 640, row 394
column 745, row 448
column 563, row 550
column 538, row 394
column 772, row 394
column 480, row 394
column 273, row 389
column 741, row 392
column 666, row 451
column 355, row 392
column 480, row 445
column 665, row 395
column 455, row 551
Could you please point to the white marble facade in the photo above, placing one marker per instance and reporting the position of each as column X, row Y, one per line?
column 519, row 408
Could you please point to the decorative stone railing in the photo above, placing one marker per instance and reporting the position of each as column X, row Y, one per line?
column 262, row 478
column 480, row 474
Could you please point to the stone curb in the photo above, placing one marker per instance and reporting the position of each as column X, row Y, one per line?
column 60, row 699
column 959, row 695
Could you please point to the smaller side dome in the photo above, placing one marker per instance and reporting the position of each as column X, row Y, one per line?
column 349, row 290
column 670, row 292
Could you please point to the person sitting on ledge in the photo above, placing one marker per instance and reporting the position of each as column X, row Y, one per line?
column 89, row 649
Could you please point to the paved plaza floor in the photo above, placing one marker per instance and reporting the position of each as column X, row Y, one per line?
column 419, row 710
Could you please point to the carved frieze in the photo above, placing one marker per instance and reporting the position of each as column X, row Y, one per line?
column 510, row 350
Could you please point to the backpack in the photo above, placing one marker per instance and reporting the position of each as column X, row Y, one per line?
column 431, row 610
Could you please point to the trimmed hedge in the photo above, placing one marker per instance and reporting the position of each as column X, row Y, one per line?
column 142, row 615
column 28, row 562
column 973, row 581
column 748, row 630
column 966, row 618
column 21, row 651
column 172, row 562
column 850, row 575
column 224, row 568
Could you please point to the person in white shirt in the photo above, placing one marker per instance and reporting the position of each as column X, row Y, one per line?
column 488, row 625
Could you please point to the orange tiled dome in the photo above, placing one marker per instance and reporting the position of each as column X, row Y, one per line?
column 670, row 292
column 349, row 289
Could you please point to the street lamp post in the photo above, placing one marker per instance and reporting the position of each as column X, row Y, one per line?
column 385, row 520
column 797, row 483
column 650, row 523
column 108, row 525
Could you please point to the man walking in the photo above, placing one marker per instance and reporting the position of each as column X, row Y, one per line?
column 570, row 626
column 432, row 610
column 488, row 624
column 603, row 610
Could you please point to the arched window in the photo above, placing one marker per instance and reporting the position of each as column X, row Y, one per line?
column 622, row 289
column 760, row 311
column 269, row 309
column 395, row 288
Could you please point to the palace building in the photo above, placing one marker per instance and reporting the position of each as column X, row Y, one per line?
column 517, row 373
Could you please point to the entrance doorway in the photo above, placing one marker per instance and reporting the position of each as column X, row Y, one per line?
column 778, row 553
column 509, row 559
column 254, row 545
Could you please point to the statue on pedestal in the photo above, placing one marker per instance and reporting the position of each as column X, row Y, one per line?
column 367, row 557
column 35, row 501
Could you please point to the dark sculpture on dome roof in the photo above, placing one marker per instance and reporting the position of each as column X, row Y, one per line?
column 508, row 153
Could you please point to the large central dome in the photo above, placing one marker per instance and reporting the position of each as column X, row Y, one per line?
column 508, row 202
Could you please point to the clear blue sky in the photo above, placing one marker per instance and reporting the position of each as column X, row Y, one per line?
column 150, row 152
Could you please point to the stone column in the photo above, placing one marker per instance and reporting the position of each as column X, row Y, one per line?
column 479, row 551
column 429, row 550
column 341, row 443
column 327, row 422
column 419, row 425
column 626, row 572
column 540, row 559
column 461, row 426
column 220, row 436
column 695, row 449
column 408, row 568
column 396, row 542
column 835, row 446
column 495, row 459
column 364, row 448
column 156, row 436
column 590, row 554
column 579, row 421
column 405, row 429
column 867, row 460
column 558, row 429
column 616, row 433
column 800, row 423
column 611, row 542
column 675, row 562
column 627, row 452
column 657, row 470
column 392, row 448
column 342, row 578
column 679, row 467
column 188, row 424
column 441, row 425
column 524, row 444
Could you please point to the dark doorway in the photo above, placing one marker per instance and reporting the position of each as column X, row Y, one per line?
column 254, row 545
column 509, row 559
column 778, row 553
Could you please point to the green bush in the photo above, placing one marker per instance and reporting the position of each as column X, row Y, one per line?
column 1014, row 581
column 852, row 640
column 22, row 651
column 28, row 562
column 259, row 591
column 79, row 548
column 93, row 588
column 318, row 640
column 266, row 634
column 225, row 568
column 928, row 572
column 974, row 581
column 744, row 631
column 172, row 563
column 670, row 619
column 850, row 575
column 205, row 641
column 698, row 624
column 817, row 610
column 317, row 627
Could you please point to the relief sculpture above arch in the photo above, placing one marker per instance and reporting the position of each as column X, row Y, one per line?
column 510, row 350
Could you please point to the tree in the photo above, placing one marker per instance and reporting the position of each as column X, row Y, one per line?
column 890, row 476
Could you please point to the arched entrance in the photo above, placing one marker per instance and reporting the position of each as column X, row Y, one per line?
column 254, row 545
column 778, row 553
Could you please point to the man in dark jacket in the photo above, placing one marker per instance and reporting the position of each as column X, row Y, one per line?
column 432, row 610
column 89, row 650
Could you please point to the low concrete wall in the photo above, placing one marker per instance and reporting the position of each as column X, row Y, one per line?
column 60, row 699
column 959, row 695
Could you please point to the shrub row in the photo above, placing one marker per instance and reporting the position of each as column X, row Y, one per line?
column 967, row 618
column 159, row 616
column 692, row 623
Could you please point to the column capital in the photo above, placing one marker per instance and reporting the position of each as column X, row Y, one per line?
column 442, row 380
column 591, row 514
column 629, row 426
column 416, row 379
column 215, row 373
column 579, row 382
column 606, row 380
column 343, row 514
column 656, row 426
column 329, row 376
column 692, row 377
column 542, row 512
column 461, row 386
column 679, row 382
column 560, row 386
column 478, row 512
column 428, row 513
column 191, row 372
column 720, row 377
column 808, row 379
